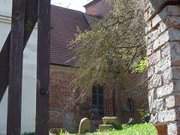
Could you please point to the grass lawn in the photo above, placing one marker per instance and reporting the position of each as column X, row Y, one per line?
column 137, row 129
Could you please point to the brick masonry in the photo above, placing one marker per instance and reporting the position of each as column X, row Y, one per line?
column 61, row 94
column 67, row 107
column 163, row 50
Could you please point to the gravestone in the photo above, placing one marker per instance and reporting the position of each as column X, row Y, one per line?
column 84, row 126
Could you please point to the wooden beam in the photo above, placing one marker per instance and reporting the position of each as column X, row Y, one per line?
column 4, row 67
column 15, row 68
column 42, row 107
column 30, row 21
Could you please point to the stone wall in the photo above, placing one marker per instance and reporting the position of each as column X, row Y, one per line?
column 163, row 51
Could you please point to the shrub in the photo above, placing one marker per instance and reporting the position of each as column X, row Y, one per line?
column 137, row 129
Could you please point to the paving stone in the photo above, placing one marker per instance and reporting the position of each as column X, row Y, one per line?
column 163, row 64
column 167, row 116
column 165, row 90
column 155, row 81
column 173, row 101
column 167, row 76
column 155, row 58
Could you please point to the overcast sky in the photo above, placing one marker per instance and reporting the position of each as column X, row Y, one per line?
column 73, row 4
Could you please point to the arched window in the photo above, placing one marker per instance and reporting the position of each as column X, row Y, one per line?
column 98, row 100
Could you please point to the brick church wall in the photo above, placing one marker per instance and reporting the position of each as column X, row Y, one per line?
column 108, row 100
column 66, row 106
column 62, row 107
column 133, row 100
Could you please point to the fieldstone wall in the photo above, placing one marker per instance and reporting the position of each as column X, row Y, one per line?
column 163, row 50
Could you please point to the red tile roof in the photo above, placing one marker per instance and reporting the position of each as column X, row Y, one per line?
column 64, row 23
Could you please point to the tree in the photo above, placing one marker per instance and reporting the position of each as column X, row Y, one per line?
column 114, row 46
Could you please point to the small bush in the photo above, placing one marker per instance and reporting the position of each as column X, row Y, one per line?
column 139, row 129
column 136, row 129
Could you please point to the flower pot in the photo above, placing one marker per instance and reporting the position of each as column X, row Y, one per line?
column 161, row 129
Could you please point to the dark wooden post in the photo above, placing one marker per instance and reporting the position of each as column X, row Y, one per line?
column 30, row 20
column 42, row 110
column 15, row 68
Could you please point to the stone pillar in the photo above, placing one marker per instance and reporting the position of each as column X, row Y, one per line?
column 163, row 50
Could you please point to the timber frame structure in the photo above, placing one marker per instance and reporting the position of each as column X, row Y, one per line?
column 25, row 14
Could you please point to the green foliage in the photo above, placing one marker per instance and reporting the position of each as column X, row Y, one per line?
column 109, row 51
column 142, row 66
column 57, row 131
column 144, row 114
column 137, row 129
column 62, row 132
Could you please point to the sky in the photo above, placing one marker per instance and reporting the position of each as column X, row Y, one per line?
column 72, row 4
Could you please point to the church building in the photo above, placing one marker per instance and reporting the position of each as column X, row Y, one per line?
column 67, row 106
